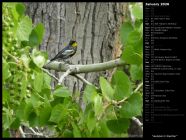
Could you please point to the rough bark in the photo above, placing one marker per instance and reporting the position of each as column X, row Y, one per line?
column 95, row 26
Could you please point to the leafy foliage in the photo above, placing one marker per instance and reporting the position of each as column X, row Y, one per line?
column 27, row 96
column 121, row 84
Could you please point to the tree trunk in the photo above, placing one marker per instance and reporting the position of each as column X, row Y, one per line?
column 94, row 26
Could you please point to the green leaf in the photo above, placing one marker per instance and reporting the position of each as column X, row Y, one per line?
column 15, row 124
column 61, row 125
column 88, row 109
column 39, row 58
column 137, row 11
column 36, row 36
column 47, row 80
column 95, row 133
column 132, row 107
column 35, row 100
column 138, row 24
column 141, row 29
column 46, row 92
column 58, row 113
column 91, row 121
column 38, row 82
column 136, row 72
column 138, row 47
column 89, row 93
column 68, row 133
column 6, row 96
column 20, row 8
column 33, row 119
column 7, row 120
column 118, row 126
column 106, row 89
column 76, row 131
column 131, row 56
column 104, row 129
column 14, row 11
column 28, row 110
column 98, row 105
column 6, row 134
column 61, row 92
column 24, row 110
column 133, row 38
column 44, row 115
column 24, row 29
column 133, row 51
column 25, row 59
column 6, row 71
column 121, row 84
column 20, row 110
column 126, row 28
column 57, row 101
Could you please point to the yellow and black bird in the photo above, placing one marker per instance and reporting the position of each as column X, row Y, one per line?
column 66, row 52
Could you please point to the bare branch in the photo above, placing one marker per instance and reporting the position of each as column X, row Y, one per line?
column 139, row 86
column 50, row 74
column 21, row 132
column 122, row 101
column 137, row 121
column 32, row 130
column 82, row 79
column 35, row 133
column 63, row 76
column 60, row 66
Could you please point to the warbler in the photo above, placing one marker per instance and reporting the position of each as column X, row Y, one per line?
column 66, row 52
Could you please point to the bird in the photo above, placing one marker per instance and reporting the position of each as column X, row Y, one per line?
column 66, row 52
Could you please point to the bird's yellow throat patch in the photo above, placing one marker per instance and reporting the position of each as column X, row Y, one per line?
column 74, row 44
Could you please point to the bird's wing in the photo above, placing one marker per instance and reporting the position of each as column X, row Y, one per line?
column 57, row 56
column 68, row 52
column 63, row 52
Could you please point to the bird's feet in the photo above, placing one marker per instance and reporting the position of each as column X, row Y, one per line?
column 67, row 61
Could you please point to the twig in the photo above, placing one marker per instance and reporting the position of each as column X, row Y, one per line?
column 21, row 132
column 13, row 57
column 63, row 76
column 137, row 121
column 122, row 101
column 13, row 63
column 32, row 130
column 36, row 93
column 82, row 79
column 50, row 74
column 119, row 102
column 104, row 108
column 139, row 86
column 36, row 133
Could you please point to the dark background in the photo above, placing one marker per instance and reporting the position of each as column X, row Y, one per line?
column 171, row 125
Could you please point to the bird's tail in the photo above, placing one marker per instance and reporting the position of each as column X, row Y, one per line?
column 52, row 59
column 49, row 62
